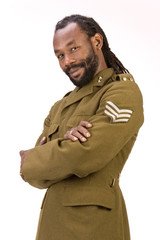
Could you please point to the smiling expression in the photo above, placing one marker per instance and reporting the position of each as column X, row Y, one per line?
column 75, row 54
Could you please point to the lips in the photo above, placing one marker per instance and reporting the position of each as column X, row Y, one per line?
column 75, row 72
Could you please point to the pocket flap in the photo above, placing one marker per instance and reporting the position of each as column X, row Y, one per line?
column 89, row 196
column 53, row 128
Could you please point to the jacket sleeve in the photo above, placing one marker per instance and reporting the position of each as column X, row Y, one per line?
column 118, row 118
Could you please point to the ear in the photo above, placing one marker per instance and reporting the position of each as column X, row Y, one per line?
column 97, row 41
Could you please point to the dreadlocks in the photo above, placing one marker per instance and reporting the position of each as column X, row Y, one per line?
column 91, row 27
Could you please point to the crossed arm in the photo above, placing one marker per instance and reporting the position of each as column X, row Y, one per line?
column 80, row 133
column 53, row 167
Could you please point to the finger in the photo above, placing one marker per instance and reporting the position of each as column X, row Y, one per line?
column 68, row 135
column 83, row 131
column 21, row 153
column 21, row 175
column 85, row 124
column 43, row 141
column 78, row 134
column 73, row 138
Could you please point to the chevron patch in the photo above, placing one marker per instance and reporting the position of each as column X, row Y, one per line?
column 117, row 114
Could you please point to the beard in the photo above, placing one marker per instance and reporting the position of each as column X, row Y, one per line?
column 89, row 64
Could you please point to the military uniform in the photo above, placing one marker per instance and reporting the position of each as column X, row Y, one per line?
column 84, row 200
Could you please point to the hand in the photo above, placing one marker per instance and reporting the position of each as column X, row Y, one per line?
column 79, row 133
column 24, row 154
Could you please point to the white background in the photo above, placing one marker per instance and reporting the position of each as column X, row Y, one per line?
column 31, row 81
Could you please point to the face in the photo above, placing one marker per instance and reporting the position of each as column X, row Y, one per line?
column 75, row 54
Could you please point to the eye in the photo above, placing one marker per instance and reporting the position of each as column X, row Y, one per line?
column 60, row 56
column 74, row 49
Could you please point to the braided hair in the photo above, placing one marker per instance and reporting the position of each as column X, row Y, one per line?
column 91, row 27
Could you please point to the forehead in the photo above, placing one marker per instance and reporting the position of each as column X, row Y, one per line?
column 71, row 33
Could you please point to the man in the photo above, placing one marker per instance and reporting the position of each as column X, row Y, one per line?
column 86, row 140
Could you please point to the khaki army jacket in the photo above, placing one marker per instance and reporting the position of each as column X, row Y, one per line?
column 86, row 173
column 111, row 131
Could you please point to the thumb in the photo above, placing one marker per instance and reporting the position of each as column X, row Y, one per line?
column 21, row 153
column 43, row 141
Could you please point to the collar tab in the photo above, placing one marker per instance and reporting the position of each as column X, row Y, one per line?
column 102, row 77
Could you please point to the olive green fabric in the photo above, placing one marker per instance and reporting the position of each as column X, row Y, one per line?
column 84, row 200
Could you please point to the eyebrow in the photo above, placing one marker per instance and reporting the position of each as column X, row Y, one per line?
column 68, row 44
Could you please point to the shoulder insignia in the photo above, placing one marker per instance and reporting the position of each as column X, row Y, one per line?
column 116, row 114
column 123, row 77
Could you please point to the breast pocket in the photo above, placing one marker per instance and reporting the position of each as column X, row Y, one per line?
column 53, row 131
column 74, row 121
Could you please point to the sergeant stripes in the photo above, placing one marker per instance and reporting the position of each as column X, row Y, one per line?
column 116, row 114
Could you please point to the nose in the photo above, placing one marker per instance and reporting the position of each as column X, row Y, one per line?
column 68, row 60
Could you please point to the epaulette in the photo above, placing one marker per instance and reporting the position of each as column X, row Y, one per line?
column 123, row 77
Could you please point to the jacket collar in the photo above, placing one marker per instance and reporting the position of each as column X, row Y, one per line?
column 98, row 81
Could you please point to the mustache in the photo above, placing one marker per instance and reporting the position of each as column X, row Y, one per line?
column 67, row 70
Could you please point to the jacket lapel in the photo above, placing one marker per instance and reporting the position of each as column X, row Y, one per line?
column 98, row 81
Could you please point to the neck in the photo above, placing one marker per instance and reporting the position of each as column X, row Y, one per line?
column 102, row 64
